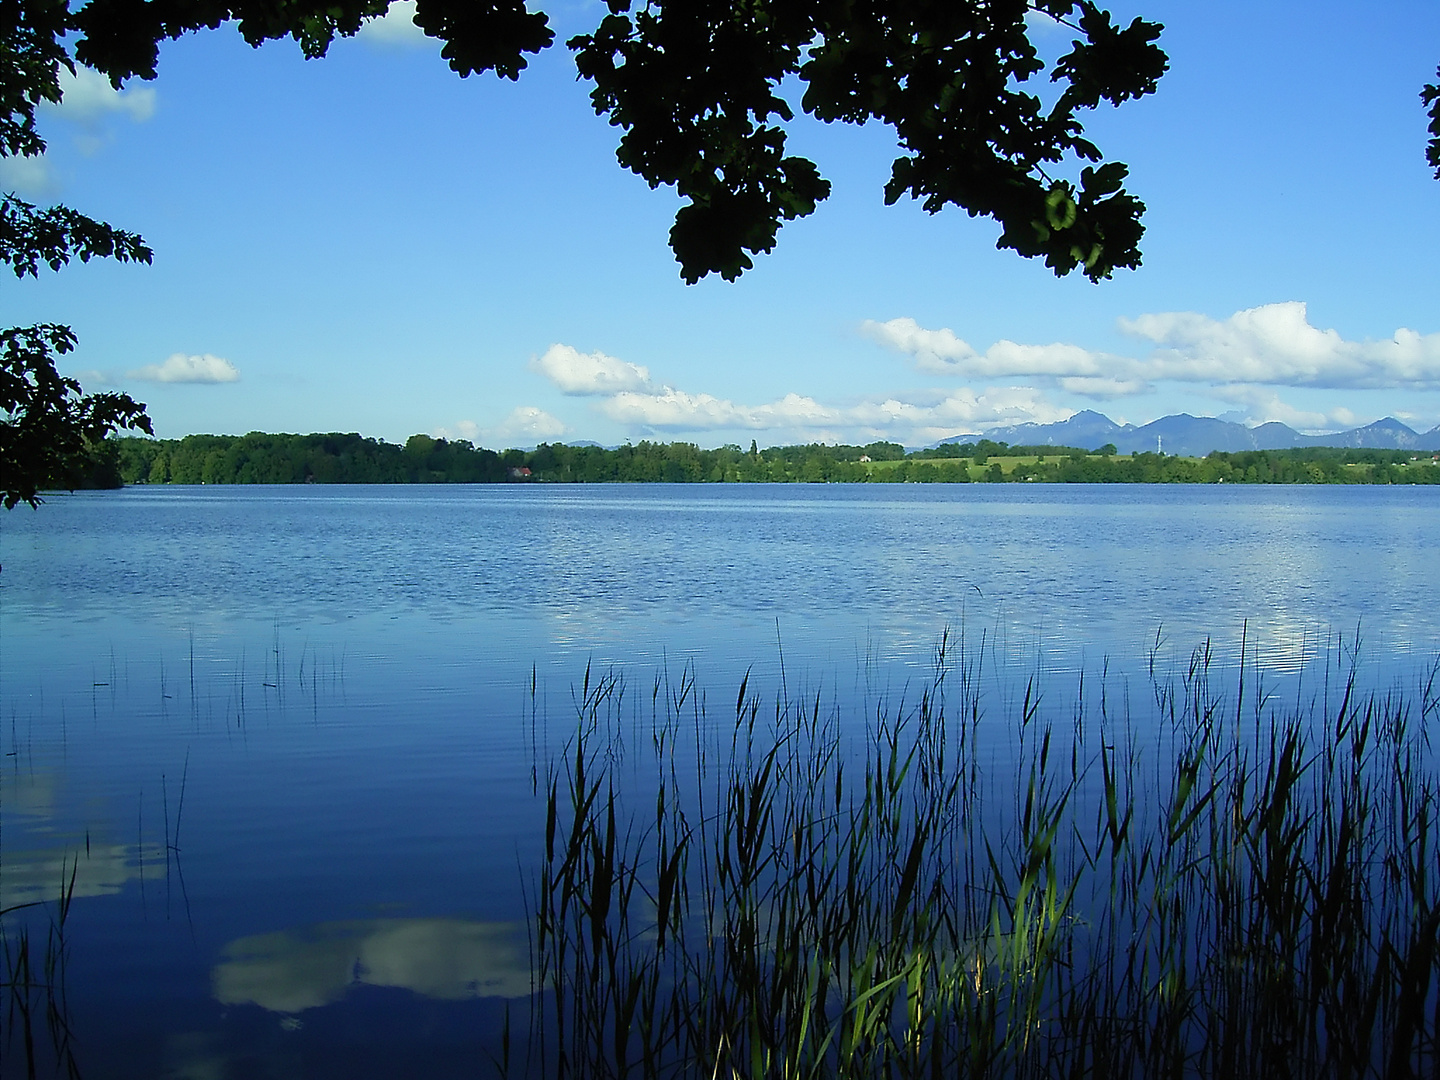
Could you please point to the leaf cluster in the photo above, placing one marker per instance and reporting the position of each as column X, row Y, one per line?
column 49, row 425
column 30, row 236
column 121, row 37
column 49, row 428
column 331, row 458
column 31, row 56
column 702, row 90
column 699, row 88
column 1430, row 98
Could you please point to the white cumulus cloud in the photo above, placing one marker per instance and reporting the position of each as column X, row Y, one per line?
column 958, row 409
column 179, row 368
column 1101, row 387
column 1270, row 345
column 1261, row 405
column 526, row 424
column 531, row 423
column 468, row 430
column 88, row 98
column 1276, row 344
column 922, row 418
column 671, row 408
column 395, row 27
column 941, row 352
column 87, row 101
column 591, row 373
column 28, row 176
column 627, row 395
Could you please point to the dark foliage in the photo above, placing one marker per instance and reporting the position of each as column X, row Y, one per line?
column 50, row 431
column 121, row 37
column 52, row 434
column 334, row 458
column 699, row 90
column 1430, row 98
column 30, row 236
column 697, row 87
column 49, row 428
column 258, row 458
column 31, row 55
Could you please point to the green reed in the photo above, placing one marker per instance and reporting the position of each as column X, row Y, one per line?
column 1244, row 890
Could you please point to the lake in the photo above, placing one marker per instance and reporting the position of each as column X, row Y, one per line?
column 284, row 738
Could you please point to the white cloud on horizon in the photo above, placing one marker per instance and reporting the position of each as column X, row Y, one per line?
column 627, row 395
column 525, row 424
column 1227, row 360
column 671, row 408
column 1270, row 345
column 589, row 374
column 1261, row 405
column 179, row 368
column 924, row 418
column 1275, row 344
column 468, row 430
column 531, row 422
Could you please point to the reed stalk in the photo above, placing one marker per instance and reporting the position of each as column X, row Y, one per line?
column 1224, row 886
column 34, row 992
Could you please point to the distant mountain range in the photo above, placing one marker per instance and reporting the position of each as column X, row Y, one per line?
column 1195, row 436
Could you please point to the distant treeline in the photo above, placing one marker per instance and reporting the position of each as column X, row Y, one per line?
column 258, row 458
column 350, row 459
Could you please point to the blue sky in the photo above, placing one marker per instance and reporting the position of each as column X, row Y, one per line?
column 369, row 243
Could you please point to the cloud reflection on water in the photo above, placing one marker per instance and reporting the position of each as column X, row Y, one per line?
column 290, row 971
column 29, row 877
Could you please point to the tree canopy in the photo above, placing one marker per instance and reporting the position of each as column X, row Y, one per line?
column 698, row 89
column 47, row 422
column 1430, row 98
column 334, row 458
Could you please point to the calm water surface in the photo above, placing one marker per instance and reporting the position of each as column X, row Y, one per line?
column 285, row 735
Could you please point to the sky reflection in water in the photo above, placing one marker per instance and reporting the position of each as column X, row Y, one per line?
column 338, row 680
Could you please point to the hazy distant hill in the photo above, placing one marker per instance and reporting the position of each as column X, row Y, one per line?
column 1086, row 429
column 1196, row 436
column 1387, row 434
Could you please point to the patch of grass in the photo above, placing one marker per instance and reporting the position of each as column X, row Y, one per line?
column 1228, row 888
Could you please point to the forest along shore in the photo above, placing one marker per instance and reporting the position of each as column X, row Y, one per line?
column 259, row 458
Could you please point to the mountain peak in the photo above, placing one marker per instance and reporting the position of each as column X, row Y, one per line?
column 1181, row 434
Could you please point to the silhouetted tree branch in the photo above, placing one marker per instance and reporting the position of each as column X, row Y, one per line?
column 30, row 236
column 699, row 87
column 50, row 427
column 1430, row 97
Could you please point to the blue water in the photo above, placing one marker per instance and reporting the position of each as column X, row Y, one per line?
column 339, row 681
